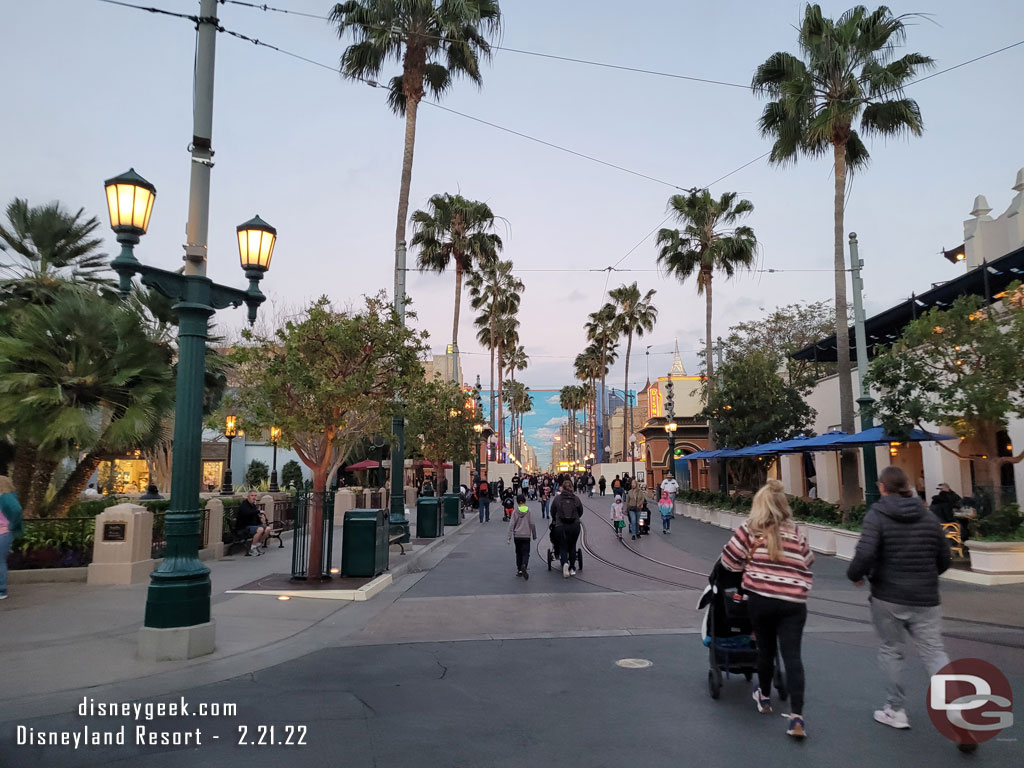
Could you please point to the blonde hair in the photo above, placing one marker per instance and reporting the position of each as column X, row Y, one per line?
column 6, row 486
column 768, row 513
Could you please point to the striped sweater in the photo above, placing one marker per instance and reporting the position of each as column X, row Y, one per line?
column 790, row 579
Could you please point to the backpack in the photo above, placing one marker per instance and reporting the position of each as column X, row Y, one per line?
column 565, row 512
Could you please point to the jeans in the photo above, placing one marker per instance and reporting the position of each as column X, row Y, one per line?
column 634, row 514
column 666, row 522
column 544, row 513
column 6, row 539
column 590, row 491
column 522, row 553
column 893, row 623
column 485, row 510
column 779, row 624
column 568, row 535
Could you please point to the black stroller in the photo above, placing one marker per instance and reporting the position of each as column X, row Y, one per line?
column 555, row 546
column 732, row 647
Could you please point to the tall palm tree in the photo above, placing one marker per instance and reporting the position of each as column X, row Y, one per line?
column 708, row 242
column 601, row 332
column 459, row 230
column 494, row 291
column 588, row 369
column 634, row 315
column 507, row 338
column 435, row 42
column 847, row 69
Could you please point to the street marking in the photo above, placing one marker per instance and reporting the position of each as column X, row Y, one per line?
column 634, row 663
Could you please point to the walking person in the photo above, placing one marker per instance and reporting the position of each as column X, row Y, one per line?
column 601, row 484
column 670, row 485
column 902, row 551
column 591, row 482
column 775, row 559
column 545, row 501
column 634, row 503
column 618, row 516
column 665, row 506
column 484, row 497
column 616, row 485
column 11, row 527
column 522, row 530
column 566, row 511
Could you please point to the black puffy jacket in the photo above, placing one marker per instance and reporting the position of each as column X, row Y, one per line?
column 902, row 550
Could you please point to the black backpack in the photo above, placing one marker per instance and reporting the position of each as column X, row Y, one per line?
column 565, row 510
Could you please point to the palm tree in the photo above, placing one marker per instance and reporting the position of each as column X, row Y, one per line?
column 588, row 369
column 494, row 291
column 507, row 338
column 435, row 43
column 601, row 332
column 847, row 69
column 454, row 229
column 635, row 315
column 708, row 242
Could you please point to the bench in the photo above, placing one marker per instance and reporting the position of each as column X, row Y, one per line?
column 396, row 538
column 274, row 531
column 239, row 538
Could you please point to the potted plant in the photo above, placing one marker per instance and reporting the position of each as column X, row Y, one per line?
column 999, row 548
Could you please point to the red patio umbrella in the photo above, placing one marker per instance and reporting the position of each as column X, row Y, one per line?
column 364, row 464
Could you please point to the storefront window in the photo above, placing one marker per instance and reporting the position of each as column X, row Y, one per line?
column 213, row 475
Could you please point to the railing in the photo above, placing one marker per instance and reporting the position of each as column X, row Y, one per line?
column 159, row 545
column 305, row 503
column 64, row 542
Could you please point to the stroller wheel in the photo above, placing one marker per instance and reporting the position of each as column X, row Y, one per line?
column 714, row 684
column 549, row 559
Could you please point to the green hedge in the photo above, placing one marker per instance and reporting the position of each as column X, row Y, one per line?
column 805, row 510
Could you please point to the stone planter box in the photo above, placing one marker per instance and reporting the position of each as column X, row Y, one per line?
column 846, row 543
column 822, row 538
column 688, row 510
column 997, row 557
column 711, row 516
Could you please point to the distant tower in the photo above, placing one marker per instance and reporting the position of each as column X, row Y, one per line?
column 677, row 368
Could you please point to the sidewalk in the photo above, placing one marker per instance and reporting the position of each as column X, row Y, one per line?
column 59, row 638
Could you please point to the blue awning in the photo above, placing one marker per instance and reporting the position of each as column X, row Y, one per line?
column 878, row 436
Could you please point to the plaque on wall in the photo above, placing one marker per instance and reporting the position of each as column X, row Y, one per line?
column 114, row 531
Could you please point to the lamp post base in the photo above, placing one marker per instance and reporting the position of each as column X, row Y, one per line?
column 176, row 643
column 273, row 483
column 228, row 488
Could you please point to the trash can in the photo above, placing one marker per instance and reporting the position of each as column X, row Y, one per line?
column 428, row 518
column 451, row 509
column 364, row 544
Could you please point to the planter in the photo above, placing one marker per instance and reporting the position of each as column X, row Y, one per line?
column 997, row 557
column 846, row 543
column 688, row 510
column 822, row 538
column 711, row 516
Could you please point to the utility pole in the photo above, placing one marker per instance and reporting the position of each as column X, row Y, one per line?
column 632, row 435
column 865, row 400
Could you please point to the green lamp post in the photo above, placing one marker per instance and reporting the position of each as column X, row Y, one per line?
column 179, row 590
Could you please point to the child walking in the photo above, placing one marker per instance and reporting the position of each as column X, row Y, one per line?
column 665, row 506
column 523, row 531
column 618, row 515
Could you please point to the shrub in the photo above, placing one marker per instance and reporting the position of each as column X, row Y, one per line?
column 291, row 475
column 256, row 473
column 1002, row 525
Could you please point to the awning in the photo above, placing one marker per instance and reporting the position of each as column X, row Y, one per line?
column 878, row 436
column 364, row 464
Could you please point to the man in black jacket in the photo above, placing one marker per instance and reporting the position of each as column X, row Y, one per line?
column 566, row 511
column 902, row 551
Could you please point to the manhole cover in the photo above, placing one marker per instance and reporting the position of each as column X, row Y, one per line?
column 634, row 663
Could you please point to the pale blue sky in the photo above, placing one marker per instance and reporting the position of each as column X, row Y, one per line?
column 92, row 89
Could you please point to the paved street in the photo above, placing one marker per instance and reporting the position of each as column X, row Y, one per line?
column 460, row 663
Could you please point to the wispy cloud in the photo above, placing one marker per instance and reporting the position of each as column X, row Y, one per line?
column 554, row 399
column 557, row 421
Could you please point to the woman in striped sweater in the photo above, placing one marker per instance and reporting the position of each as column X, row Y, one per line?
column 775, row 559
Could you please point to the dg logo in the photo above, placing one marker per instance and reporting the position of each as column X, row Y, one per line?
column 970, row 701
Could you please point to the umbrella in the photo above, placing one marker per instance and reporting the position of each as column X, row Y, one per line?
column 878, row 436
column 364, row 464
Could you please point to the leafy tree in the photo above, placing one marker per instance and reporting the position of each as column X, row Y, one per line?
column 962, row 368
column 847, row 69
column 440, row 424
column 291, row 474
column 634, row 314
column 257, row 472
column 328, row 379
column 753, row 404
column 494, row 292
column 435, row 42
column 459, row 230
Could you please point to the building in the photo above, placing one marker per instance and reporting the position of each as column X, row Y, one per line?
column 447, row 366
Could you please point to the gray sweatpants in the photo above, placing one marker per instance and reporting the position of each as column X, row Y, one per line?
column 893, row 623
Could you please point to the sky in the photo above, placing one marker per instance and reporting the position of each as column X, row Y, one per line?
column 93, row 89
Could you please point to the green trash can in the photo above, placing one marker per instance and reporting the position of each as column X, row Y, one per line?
column 428, row 518
column 451, row 509
column 364, row 543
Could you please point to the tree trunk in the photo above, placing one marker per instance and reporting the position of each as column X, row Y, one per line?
column 714, row 478
column 412, row 105
column 21, row 475
column 42, row 473
column 850, row 493
column 315, row 522
column 625, row 393
column 604, row 408
column 73, row 486
column 458, row 300
column 501, row 407
column 494, row 345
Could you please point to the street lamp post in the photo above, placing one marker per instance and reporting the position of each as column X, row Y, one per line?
column 177, row 621
column 671, row 426
column 230, row 432
column 275, row 437
column 865, row 401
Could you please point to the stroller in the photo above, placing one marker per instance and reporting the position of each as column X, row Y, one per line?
column 732, row 646
column 553, row 549
column 508, row 503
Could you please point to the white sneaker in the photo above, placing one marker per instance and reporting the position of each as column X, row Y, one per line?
column 255, row 551
column 572, row 571
column 893, row 718
column 565, row 570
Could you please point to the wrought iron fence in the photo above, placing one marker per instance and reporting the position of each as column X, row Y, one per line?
column 159, row 545
column 64, row 542
column 305, row 504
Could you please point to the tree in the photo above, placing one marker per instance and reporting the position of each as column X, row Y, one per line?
column 494, row 292
column 435, row 43
column 291, row 474
column 961, row 368
column 587, row 367
column 634, row 315
column 848, row 68
column 754, row 404
column 603, row 335
column 257, row 472
column 328, row 379
column 507, row 335
column 440, row 424
column 571, row 398
column 81, row 378
column 455, row 229
column 517, row 397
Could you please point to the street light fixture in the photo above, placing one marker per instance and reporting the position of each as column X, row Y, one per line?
column 230, row 432
column 275, row 438
column 179, row 591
